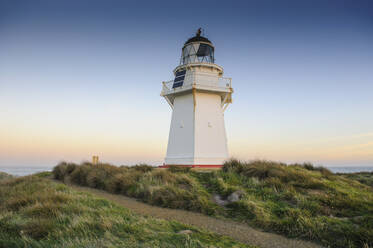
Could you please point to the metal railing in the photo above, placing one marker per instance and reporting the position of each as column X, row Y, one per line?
column 167, row 86
column 225, row 82
column 204, row 79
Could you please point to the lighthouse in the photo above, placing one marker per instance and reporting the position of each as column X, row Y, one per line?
column 198, row 96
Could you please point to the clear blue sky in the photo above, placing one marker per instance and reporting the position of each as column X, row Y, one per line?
column 79, row 78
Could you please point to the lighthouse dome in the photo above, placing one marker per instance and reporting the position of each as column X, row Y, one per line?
column 197, row 49
column 198, row 38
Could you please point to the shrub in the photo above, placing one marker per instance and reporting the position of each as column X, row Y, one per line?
column 233, row 165
column 258, row 168
column 113, row 185
column 308, row 166
column 96, row 179
column 79, row 174
column 63, row 169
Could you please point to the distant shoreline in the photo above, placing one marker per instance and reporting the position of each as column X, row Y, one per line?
column 24, row 171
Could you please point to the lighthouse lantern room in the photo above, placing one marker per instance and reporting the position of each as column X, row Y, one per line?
column 198, row 97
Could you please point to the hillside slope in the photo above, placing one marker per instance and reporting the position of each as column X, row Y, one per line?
column 240, row 232
column 4, row 175
column 297, row 200
column 35, row 212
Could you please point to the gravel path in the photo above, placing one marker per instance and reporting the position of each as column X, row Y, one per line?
column 238, row 231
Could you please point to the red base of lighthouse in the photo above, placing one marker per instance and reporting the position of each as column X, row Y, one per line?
column 192, row 165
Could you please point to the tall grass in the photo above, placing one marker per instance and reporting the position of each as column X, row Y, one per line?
column 35, row 212
column 4, row 175
column 154, row 186
column 297, row 200
column 363, row 177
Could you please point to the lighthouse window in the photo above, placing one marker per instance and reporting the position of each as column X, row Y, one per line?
column 203, row 50
column 179, row 84
column 179, row 79
column 180, row 73
column 205, row 53
column 199, row 52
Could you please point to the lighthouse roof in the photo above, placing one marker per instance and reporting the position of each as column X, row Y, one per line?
column 198, row 38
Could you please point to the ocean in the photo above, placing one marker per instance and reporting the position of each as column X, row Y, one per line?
column 351, row 169
column 23, row 171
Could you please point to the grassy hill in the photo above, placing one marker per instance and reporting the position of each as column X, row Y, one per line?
column 4, row 175
column 363, row 177
column 36, row 212
column 296, row 200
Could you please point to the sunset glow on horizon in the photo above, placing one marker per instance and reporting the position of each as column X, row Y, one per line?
column 83, row 79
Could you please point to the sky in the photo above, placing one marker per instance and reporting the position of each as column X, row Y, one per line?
column 79, row 78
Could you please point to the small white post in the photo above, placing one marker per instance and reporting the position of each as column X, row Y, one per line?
column 94, row 160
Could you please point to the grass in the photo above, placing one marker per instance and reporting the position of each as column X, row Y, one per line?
column 36, row 212
column 362, row 177
column 4, row 175
column 297, row 200
column 166, row 188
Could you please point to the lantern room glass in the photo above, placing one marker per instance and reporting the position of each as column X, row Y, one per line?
column 196, row 53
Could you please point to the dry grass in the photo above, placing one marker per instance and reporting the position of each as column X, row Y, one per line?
column 297, row 200
column 171, row 187
column 35, row 212
column 4, row 176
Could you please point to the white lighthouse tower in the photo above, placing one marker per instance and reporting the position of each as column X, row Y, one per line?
column 198, row 97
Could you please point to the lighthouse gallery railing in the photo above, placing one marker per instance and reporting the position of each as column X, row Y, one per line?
column 222, row 83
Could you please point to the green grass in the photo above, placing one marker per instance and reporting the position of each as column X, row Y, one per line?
column 363, row 177
column 154, row 186
column 4, row 175
column 36, row 212
column 297, row 200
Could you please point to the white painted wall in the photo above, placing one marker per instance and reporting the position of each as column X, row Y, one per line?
column 210, row 142
column 197, row 134
column 180, row 149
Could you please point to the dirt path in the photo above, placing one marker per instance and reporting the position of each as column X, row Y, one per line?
column 238, row 231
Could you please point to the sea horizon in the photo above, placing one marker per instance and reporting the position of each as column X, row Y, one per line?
column 28, row 170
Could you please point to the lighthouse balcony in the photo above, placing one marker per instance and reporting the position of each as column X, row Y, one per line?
column 199, row 82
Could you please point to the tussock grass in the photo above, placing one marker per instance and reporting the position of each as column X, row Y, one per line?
column 297, row 200
column 4, row 176
column 36, row 212
column 160, row 187
column 174, row 168
column 362, row 177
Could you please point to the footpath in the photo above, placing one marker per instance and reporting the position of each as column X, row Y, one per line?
column 238, row 231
